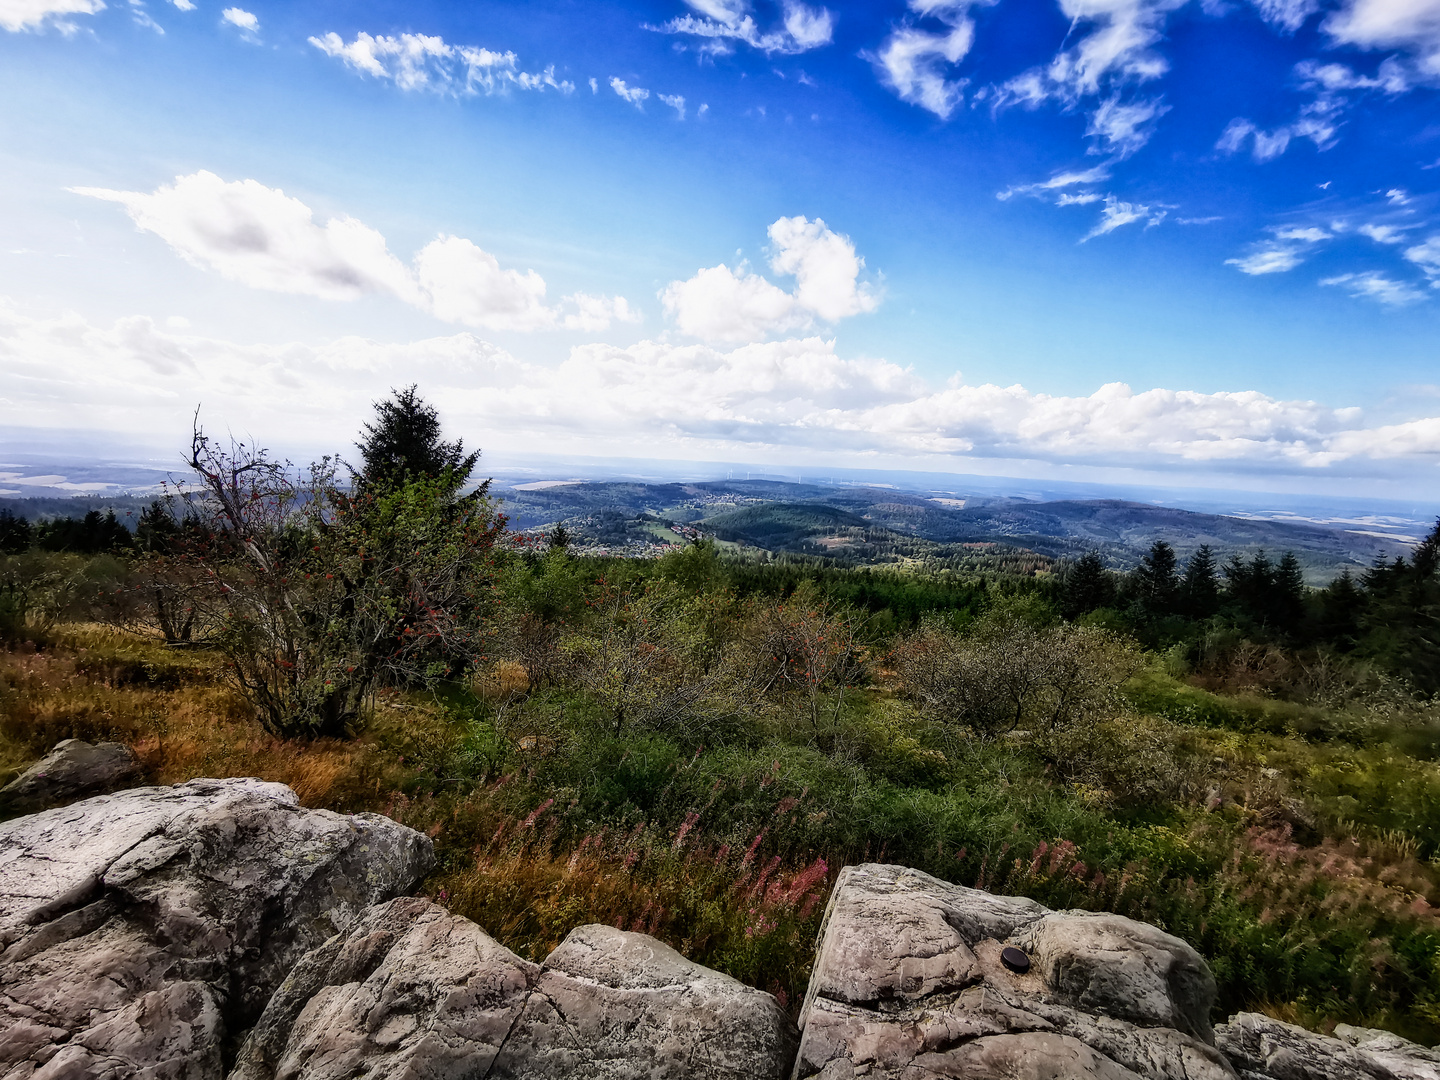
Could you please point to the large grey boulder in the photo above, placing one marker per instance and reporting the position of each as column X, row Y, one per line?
column 1264, row 1049
column 909, row 982
column 412, row 991
column 72, row 767
column 141, row 931
column 611, row 1005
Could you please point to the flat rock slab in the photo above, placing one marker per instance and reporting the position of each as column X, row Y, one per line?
column 72, row 767
column 412, row 991
column 909, row 983
column 1264, row 1049
column 141, row 931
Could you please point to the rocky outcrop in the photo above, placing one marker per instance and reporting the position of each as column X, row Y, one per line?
column 73, row 767
column 1264, row 1049
column 416, row 992
column 141, row 930
column 917, row 978
column 155, row 933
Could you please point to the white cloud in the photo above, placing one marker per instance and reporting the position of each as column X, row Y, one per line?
column 915, row 62
column 1116, row 54
column 1286, row 249
column 721, row 304
column 1117, row 213
column 265, row 239
column 721, row 22
column 1287, row 14
column 429, row 62
column 724, row 304
column 795, row 395
column 635, row 95
column 183, row 5
column 1124, row 127
column 1318, row 120
column 1333, row 86
column 18, row 15
column 1376, row 286
column 676, row 102
column 1069, row 178
column 1084, row 198
column 1268, row 259
column 1383, row 234
column 239, row 17
column 1412, row 26
column 1427, row 256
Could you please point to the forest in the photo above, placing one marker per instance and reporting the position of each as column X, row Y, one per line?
column 693, row 745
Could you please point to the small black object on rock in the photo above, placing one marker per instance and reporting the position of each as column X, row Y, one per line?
column 1015, row 960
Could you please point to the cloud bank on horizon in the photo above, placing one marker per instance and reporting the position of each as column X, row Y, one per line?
column 1272, row 156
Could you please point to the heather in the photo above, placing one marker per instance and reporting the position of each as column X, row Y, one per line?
column 692, row 746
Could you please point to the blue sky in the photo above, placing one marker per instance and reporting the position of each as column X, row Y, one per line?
column 1101, row 238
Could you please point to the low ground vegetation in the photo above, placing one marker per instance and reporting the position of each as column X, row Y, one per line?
column 693, row 746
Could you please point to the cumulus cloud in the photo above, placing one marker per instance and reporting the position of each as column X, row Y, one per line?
column 635, row 95
column 721, row 303
column 261, row 237
column 1378, row 287
column 18, row 15
column 791, row 395
column 719, row 23
column 429, row 62
column 1114, row 51
column 676, row 102
column 915, row 60
column 244, row 20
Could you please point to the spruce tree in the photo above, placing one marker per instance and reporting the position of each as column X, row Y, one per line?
column 1087, row 585
column 15, row 533
column 1200, row 588
column 1287, row 599
column 403, row 443
column 1156, row 581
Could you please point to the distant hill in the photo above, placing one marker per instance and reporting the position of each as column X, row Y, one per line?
column 882, row 524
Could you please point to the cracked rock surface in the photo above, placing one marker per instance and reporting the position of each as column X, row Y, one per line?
column 908, row 983
column 72, row 767
column 1266, row 1049
column 141, row 931
column 413, row 991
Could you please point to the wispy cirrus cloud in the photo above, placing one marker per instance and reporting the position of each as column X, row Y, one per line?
column 721, row 24
column 1373, row 285
column 1411, row 27
column 1333, row 87
column 430, row 63
column 1066, row 178
column 721, row 303
column 1114, row 53
column 264, row 239
column 917, row 59
column 1116, row 214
